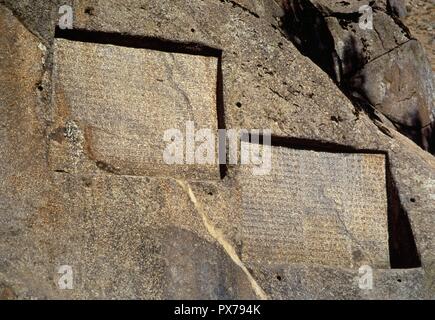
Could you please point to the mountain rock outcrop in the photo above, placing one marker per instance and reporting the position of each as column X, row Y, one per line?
column 89, row 209
column 372, row 56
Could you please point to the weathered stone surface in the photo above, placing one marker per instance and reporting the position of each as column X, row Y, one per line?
column 317, row 208
column 260, row 9
column 420, row 22
column 398, row 7
column 115, row 118
column 319, row 282
column 39, row 16
column 343, row 7
column 391, row 85
column 132, row 237
column 149, row 237
column 23, row 173
column 117, row 244
column 336, row 42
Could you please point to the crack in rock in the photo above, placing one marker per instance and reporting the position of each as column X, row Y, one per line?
column 237, row 5
column 220, row 238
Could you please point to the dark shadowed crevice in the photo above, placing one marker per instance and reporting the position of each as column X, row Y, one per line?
column 138, row 42
column 430, row 132
column 394, row 13
column 309, row 144
column 403, row 250
column 307, row 29
column 316, row 145
column 220, row 107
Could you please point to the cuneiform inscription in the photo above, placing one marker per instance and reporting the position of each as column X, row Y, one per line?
column 123, row 99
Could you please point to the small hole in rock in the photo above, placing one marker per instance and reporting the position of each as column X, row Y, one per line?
column 89, row 11
column 239, row 105
column 87, row 182
column 193, row 30
column 278, row 278
column 412, row 199
column 336, row 119
column 399, row 280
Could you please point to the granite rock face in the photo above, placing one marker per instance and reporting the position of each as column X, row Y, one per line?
column 378, row 64
column 154, row 86
column 398, row 7
column 96, row 213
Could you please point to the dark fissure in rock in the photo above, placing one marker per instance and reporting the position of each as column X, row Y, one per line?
column 137, row 42
column 307, row 29
column 403, row 250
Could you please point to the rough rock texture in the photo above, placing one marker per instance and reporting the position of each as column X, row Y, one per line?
column 333, row 210
column 398, row 7
column 158, row 91
column 162, row 236
column 420, row 20
column 383, row 68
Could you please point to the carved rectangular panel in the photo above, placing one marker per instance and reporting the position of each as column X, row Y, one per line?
column 114, row 103
column 316, row 207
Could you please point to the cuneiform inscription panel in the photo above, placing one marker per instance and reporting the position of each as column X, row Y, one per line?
column 316, row 208
column 120, row 101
